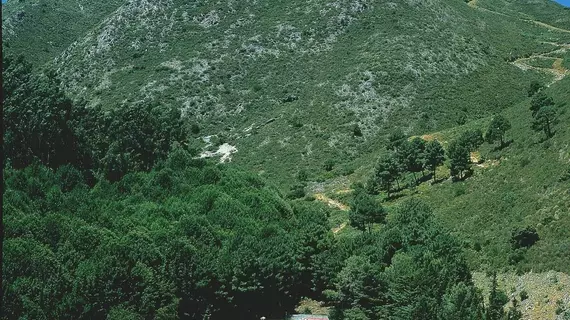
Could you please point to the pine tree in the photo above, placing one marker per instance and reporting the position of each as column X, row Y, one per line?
column 544, row 120
column 514, row 313
column 497, row 129
column 386, row 172
column 472, row 139
column 533, row 88
column 539, row 101
column 497, row 301
column 412, row 156
column 434, row 156
column 365, row 211
column 459, row 159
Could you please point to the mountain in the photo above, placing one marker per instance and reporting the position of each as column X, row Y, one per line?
column 292, row 84
column 321, row 112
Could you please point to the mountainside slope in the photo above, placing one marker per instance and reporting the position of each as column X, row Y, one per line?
column 523, row 185
column 319, row 74
column 41, row 30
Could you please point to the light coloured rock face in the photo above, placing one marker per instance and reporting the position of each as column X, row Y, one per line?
column 224, row 151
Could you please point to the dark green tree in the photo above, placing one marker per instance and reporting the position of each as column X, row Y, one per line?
column 411, row 155
column 497, row 301
column 459, row 159
column 425, row 268
column 143, row 134
column 329, row 164
column 365, row 210
column 38, row 118
column 497, row 129
column 544, row 120
column 395, row 140
column 386, row 172
column 413, row 269
column 539, row 101
column 356, row 131
column 359, row 284
column 355, row 313
column 217, row 244
column 434, row 156
column 472, row 139
column 463, row 302
column 533, row 88
column 524, row 238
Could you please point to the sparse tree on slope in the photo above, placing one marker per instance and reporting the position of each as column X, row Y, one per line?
column 497, row 300
column 471, row 139
column 534, row 87
column 539, row 101
column 387, row 171
column 497, row 129
column 365, row 211
column 411, row 156
column 434, row 156
column 514, row 313
column 459, row 160
column 544, row 120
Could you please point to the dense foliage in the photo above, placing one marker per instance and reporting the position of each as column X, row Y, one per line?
column 42, row 124
column 184, row 240
column 412, row 269
column 192, row 240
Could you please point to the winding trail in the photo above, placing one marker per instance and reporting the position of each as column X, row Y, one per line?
column 333, row 204
column 557, row 70
column 473, row 4
column 548, row 26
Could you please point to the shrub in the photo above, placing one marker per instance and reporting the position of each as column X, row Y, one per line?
column 565, row 176
column 459, row 191
column 297, row 191
column 329, row 164
column 524, row 238
column 524, row 161
column 523, row 295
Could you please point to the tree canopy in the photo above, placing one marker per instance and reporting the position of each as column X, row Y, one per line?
column 497, row 129
column 167, row 243
column 434, row 156
column 365, row 210
column 459, row 159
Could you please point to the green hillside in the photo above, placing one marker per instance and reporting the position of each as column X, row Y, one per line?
column 366, row 159
column 319, row 69
column 41, row 30
column 524, row 184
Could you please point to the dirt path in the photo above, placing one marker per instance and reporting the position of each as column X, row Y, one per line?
column 331, row 202
column 548, row 26
column 473, row 4
column 557, row 70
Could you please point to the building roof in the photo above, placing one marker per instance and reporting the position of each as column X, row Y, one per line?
column 309, row 317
